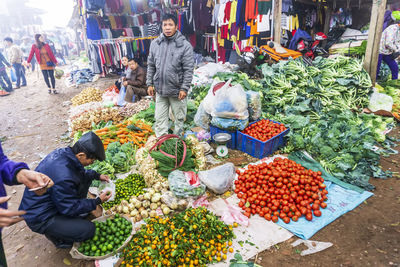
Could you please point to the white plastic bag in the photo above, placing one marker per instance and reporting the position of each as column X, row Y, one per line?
column 202, row 118
column 107, row 187
column 218, row 179
column 254, row 103
column 379, row 101
column 230, row 102
column 208, row 101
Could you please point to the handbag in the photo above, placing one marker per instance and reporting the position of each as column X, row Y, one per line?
column 50, row 64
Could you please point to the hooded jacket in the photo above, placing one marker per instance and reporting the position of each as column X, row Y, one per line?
column 67, row 196
column 170, row 65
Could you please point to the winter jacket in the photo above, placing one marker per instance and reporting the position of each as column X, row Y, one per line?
column 36, row 51
column 170, row 65
column 8, row 171
column 3, row 62
column 137, row 77
column 67, row 196
column 15, row 54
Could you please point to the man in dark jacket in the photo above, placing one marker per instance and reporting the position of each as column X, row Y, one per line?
column 59, row 213
column 14, row 173
column 169, row 75
column 135, row 82
column 3, row 74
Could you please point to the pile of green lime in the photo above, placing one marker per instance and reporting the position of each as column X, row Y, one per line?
column 109, row 236
column 125, row 188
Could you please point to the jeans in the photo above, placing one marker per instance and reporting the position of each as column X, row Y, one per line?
column 394, row 67
column 179, row 109
column 4, row 76
column 49, row 74
column 20, row 74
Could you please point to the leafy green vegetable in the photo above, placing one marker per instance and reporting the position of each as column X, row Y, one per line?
column 166, row 164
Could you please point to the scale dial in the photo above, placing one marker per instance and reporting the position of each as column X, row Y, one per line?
column 222, row 151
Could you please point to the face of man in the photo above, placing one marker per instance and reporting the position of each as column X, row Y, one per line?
column 124, row 61
column 169, row 28
column 132, row 65
column 84, row 160
column 7, row 43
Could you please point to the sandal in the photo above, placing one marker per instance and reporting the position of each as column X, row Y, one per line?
column 49, row 92
column 55, row 92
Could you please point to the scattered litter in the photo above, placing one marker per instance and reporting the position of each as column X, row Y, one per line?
column 313, row 246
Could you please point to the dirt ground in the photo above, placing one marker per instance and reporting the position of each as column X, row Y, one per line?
column 33, row 123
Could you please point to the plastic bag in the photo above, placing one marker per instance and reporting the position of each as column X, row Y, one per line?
column 254, row 103
column 234, row 214
column 174, row 203
column 379, row 101
column 230, row 103
column 202, row 118
column 218, row 179
column 107, row 187
column 121, row 97
column 208, row 101
column 185, row 184
column 229, row 124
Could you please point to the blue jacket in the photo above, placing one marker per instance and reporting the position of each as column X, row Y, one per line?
column 3, row 61
column 67, row 196
column 8, row 169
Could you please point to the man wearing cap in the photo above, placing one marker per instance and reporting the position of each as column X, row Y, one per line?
column 59, row 213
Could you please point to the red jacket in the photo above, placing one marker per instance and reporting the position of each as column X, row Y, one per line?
column 35, row 50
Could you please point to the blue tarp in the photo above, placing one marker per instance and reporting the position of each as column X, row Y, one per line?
column 340, row 201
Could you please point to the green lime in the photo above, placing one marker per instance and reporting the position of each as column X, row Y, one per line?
column 109, row 247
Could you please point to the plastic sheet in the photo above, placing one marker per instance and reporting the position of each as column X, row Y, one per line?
column 379, row 101
column 218, row 179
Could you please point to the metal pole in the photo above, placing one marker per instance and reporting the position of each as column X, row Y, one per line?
column 216, row 35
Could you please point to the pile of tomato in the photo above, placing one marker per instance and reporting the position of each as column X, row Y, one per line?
column 281, row 189
column 264, row 130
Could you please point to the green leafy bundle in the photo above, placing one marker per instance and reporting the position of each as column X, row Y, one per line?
column 166, row 164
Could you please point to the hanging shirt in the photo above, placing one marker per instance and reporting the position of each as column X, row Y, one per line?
column 264, row 6
column 390, row 40
column 263, row 22
column 232, row 17
column 251, row 10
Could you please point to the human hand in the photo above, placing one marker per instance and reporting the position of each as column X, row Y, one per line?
column 150, row 91
column 104, row 178
column 125, row 83
column 32, row 179
column 105, row 196
column 8, row 217
column 182, row 95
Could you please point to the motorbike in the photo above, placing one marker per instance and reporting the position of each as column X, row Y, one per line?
column 311, row 50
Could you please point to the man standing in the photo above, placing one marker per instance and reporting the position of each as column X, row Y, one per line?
column 169, row 75
column 59, row 213
column 15, row 56
column 135, row 82
column 3, row 74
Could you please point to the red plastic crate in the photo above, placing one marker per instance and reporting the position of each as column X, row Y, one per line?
column 257, row 148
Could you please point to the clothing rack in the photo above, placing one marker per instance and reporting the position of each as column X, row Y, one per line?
column 122, row 39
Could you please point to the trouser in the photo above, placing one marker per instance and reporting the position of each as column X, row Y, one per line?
column 62, row 229
column 3, row 261
column 134, row 94
column 394, row 67
column 20, row 74
column 179, row 109
column 7, row 85
column 49, row 74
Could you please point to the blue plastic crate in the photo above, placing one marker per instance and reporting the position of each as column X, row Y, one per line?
column 232, row 143
column 257, row 148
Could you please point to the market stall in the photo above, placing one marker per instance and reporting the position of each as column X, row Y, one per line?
column 172, row 188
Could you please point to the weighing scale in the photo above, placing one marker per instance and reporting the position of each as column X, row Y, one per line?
column 222, row 139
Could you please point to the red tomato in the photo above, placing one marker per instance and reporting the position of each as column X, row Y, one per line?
column 317, row 213
column 274, row 219
column 309, row 216
column 286, row 220
column 323, row 205
column 268, row 217
column 295, row 218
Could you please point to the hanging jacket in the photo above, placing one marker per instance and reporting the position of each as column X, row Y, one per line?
column 67, row 196
column 36, row 51
column 300, row 34
column 170, row 65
